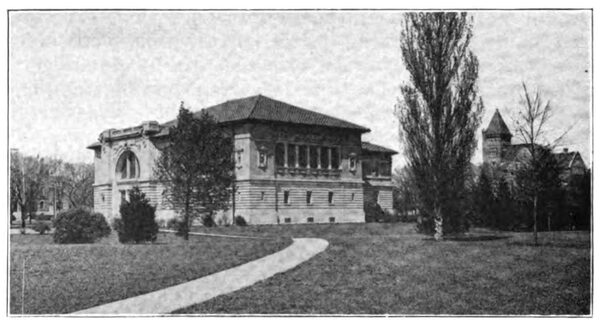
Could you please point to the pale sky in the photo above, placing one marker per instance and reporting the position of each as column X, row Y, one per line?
column 74, row 74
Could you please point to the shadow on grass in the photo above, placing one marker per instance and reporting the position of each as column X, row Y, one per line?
column 569, row 245
column 477, row 238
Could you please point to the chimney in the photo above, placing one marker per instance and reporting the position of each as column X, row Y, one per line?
column 566, row 150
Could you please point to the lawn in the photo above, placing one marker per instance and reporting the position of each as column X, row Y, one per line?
column 65, row 278
column 389, row 269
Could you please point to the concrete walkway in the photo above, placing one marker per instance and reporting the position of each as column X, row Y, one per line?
column 197, row 291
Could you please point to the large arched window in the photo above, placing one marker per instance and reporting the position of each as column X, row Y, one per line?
column 128, row 166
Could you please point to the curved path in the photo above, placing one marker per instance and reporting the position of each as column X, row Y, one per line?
column 197, row 291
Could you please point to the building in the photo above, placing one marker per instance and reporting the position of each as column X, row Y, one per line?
column 499, row 152
column 293, row 165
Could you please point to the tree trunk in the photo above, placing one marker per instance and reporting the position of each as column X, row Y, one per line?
column 535, row 233
column 439, row 228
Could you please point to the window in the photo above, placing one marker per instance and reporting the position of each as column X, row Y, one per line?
column 123, row 196
column 41, row 205
column 128, row 166
column 262, row 195
column 291, row 158
column 262, row 159
column 332, row 219
column 314, row 157
column 102, row 197
column 377, row 196
column 330, row 198
column 352, row 163
column 335, row 158
column 310, row 220
column 287, row 220
column 352, row 196
column 302, row 156
column 98, row 153
column 280, row 154
column 238, row 158
column 309, row 197
column 324, row 158
column 286, row 197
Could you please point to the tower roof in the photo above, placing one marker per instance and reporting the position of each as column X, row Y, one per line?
column 497, row 126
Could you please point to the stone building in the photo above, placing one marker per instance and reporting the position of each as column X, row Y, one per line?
column 293, row 165
column 499, row 152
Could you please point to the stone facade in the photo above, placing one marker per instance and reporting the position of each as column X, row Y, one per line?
column 302, row 171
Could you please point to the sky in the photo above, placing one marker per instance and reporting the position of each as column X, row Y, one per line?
column 75, row 74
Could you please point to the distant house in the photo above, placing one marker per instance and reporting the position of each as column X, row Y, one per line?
column 499, row 152
column 293, row 165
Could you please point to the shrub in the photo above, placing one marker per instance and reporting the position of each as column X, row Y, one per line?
column 208, row 220
column 176, row 225
column 79, row 225
column 43, row 217
column 41, row 227
column 240, row 221
column 137, row 222
column 373, row 212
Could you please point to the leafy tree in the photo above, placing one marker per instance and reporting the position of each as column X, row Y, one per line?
column 196, row 167
column 484, row 199
column 539, row 186
column 27, row 179
column 137, row 223
column 405, row 200
column 440, row 114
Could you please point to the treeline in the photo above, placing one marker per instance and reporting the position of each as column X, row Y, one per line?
column 498, row 199
column 33, row 178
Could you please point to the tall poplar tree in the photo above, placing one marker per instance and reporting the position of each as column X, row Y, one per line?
column 439, row 114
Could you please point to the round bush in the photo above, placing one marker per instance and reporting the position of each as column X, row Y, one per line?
column 79, row 225
column 240, row 221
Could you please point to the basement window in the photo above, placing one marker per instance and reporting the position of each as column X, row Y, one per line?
column 332, row 219
column 310, row 220
column 287, row 220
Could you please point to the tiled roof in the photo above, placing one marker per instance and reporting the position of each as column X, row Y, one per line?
column 370, row 147
column 266, row 109
column 497, row 126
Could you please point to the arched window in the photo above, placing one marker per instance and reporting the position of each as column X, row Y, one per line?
column 128, row 166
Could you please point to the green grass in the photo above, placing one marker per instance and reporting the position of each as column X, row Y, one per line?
column 389, row 269
column 66, row 278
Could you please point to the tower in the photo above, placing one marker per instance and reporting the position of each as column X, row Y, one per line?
column 496, row 140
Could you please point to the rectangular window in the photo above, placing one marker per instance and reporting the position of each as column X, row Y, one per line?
column 286, row 197
column 309, row 197
column 279, row 154
column 302, row 156
column 324, row 158
column 332, row 219
column 335, row 158
column 314, row 157
column 262, row 195
column 291, row 156
column 310, row 220
column 330, row 197
column 123, row 196
column 98, row 153
column 287, row 220
column 352, row 197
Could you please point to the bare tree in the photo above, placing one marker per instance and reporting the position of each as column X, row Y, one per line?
column 440, row 113
column 531, row 127
column 27, row 178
